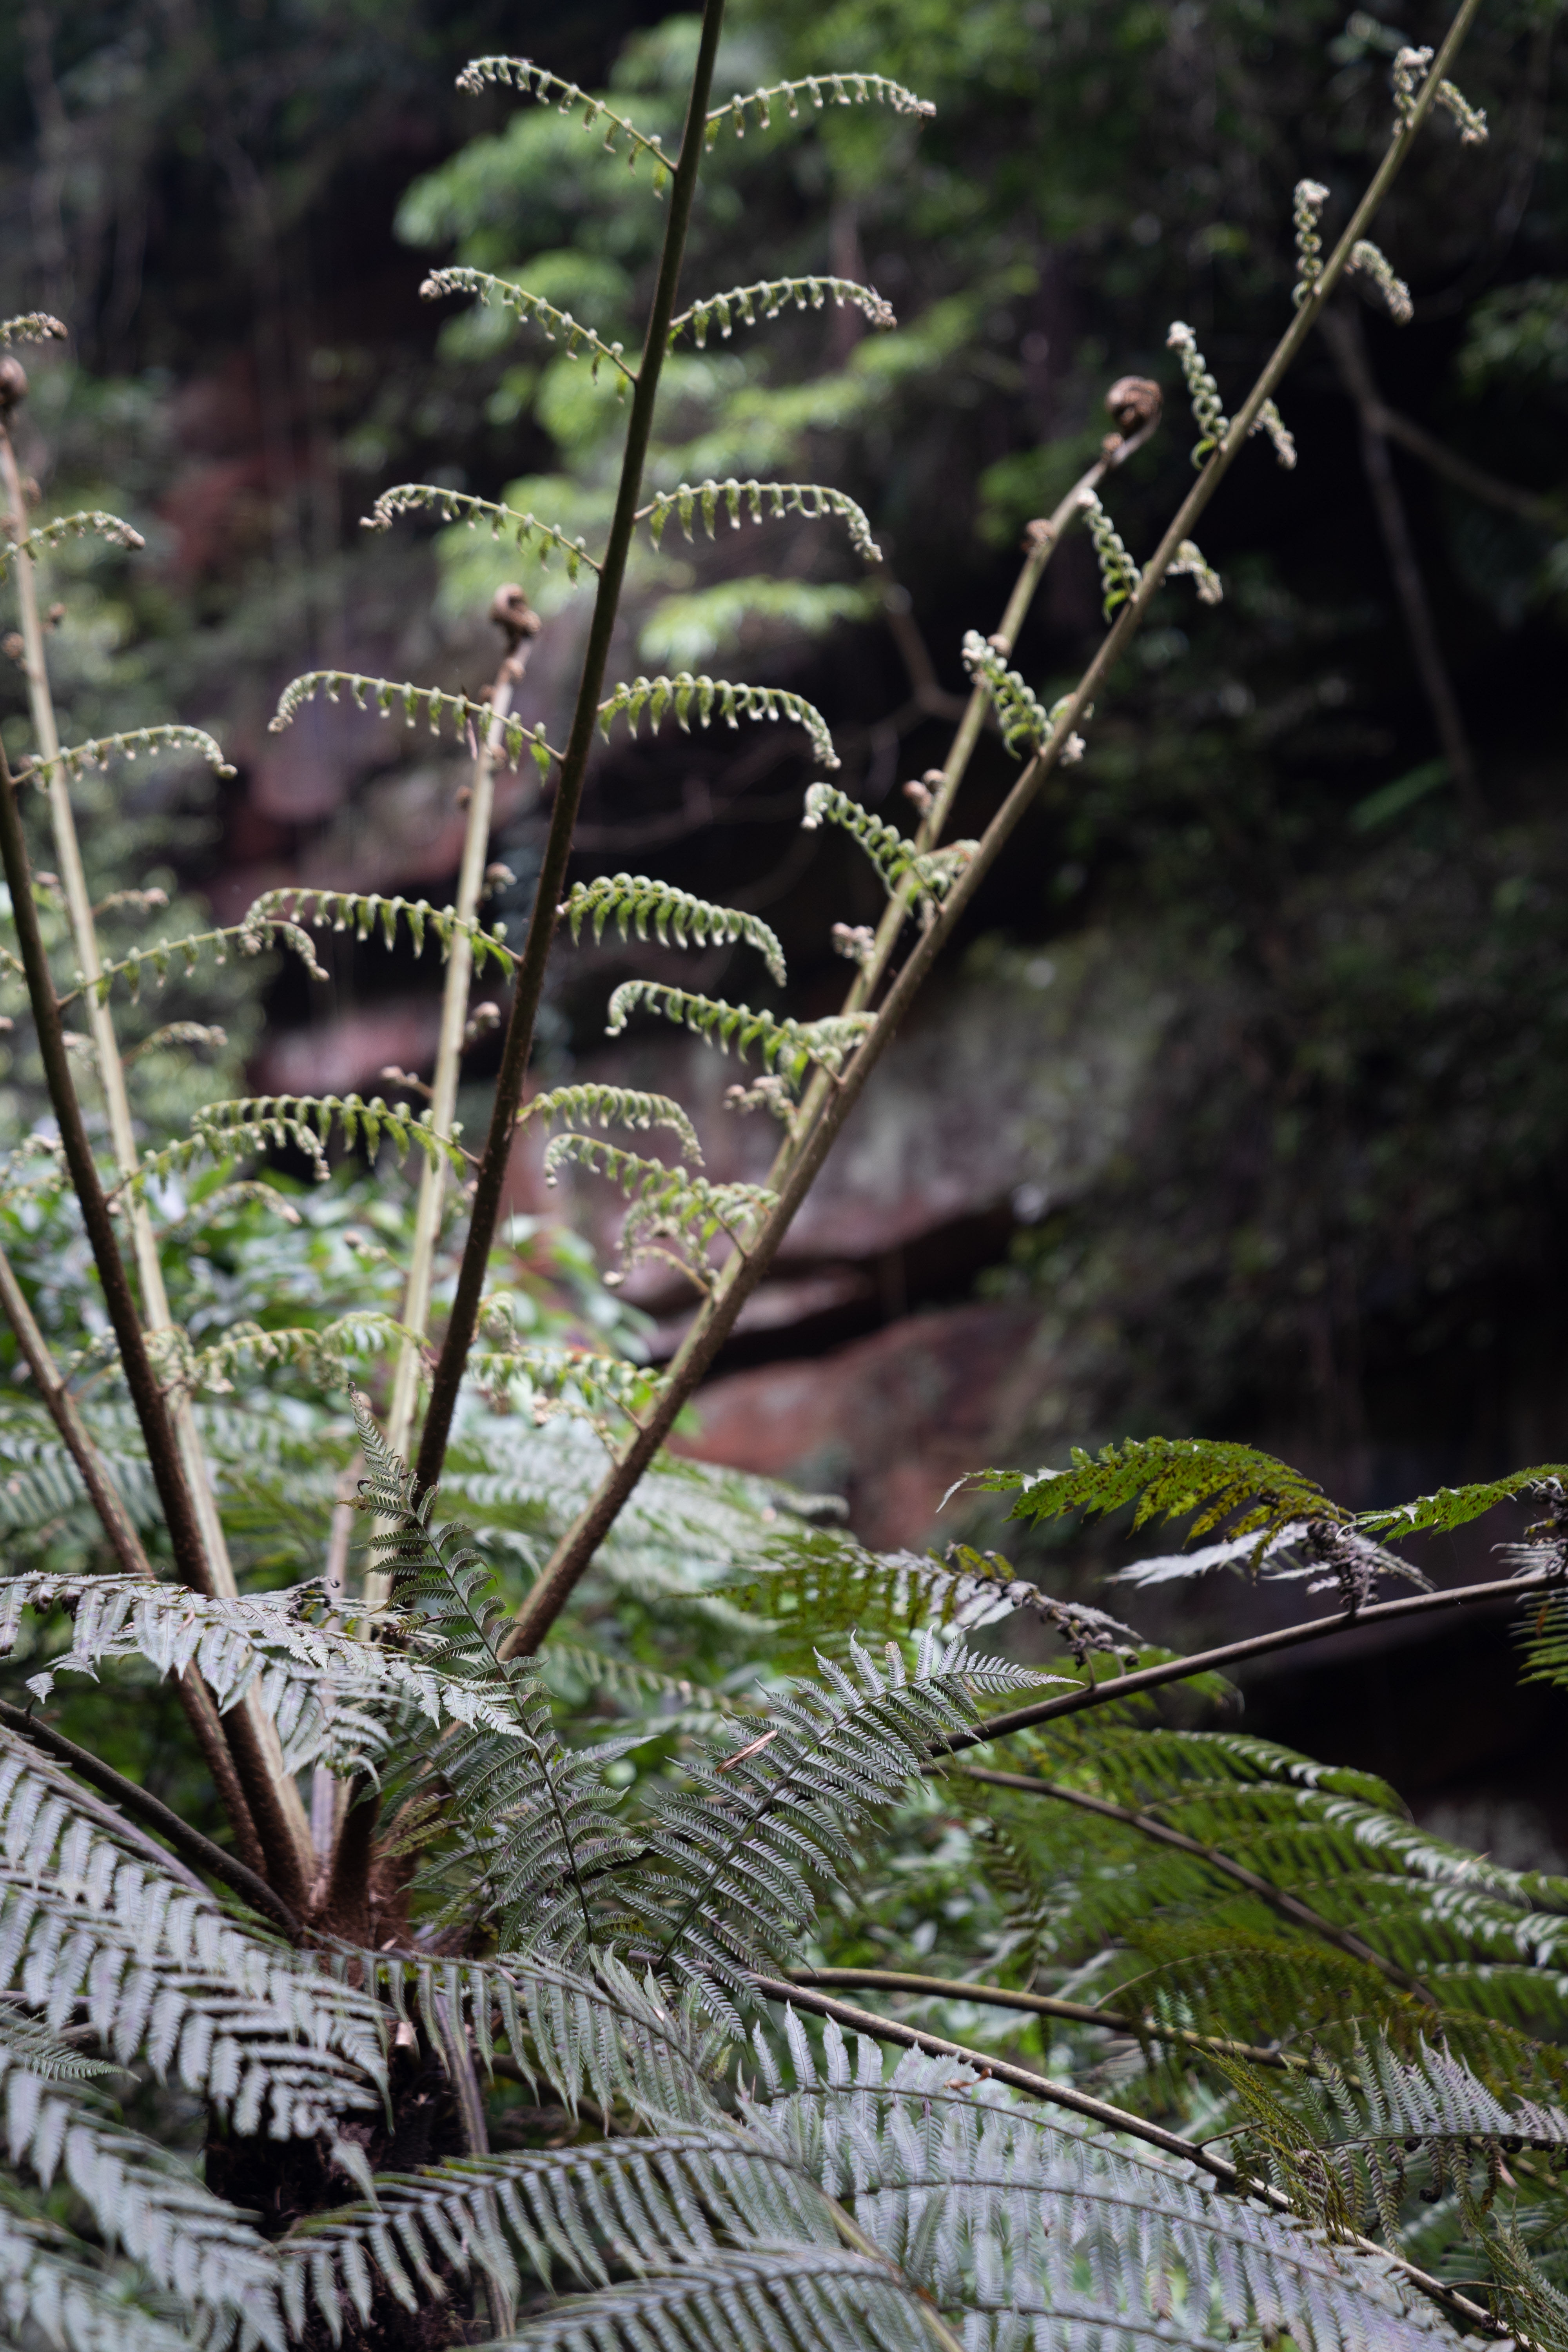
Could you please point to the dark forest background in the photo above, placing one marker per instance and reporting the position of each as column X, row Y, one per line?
column 1243, row 1110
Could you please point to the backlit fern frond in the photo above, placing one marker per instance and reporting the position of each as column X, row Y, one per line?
column 491, row 291
column 416, row 701
column 77, row 758
column 364, row 912
column 896, row 858
column 708, row 499
column 1269, row 421
column 592, row 1104
column 781, row 1804
column 72, row 526
column 33, row 327
column 505, row 523
column 520, row 74
column 687, row 697
column 784, row 1045
column 1451, row 1507
column 667, row 1204
column 822, row 89
column 1171, row 1479
column 260, row 1123
column 633, row 901
column 1119, row 576
column 1190, row 563
column 768, row 297
column 1208, row 414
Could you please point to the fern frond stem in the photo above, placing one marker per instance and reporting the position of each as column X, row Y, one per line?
column 191, row 1557
column 1232, row 1653
column 444, row 1083
column 1228, row 2176
column 1042, row 2004
column 251, row 1724
column 1288, row 1906
column 190, row 1846
column 490, row 1183
column 572, row 1555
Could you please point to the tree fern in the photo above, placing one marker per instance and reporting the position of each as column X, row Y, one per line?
column 667, row 1204
column 365, row 913
column 1173, row 1478
column 896, row 858
column 533, row 81
column 260, row 1123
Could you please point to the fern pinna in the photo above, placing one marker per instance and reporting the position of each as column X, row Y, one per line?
column 510, row 2000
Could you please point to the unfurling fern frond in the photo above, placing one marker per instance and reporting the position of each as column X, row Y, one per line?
column 768, row 297
column 1410, row 69
column 568, row 1379
column 492, row 290
column 784, row 1045
column 1026, row 723
column 896, row 858
column 259, row 1123
column 505, row 523
column 416, row 701
column 521, row 74
column 1329, row 1552
column 364, row 912
column 1190, row 563
column 1268, row 420
column 823, row 90
column 260, row 930
column 665, row 1202
column 33, row 327
column 320, row 1351
column 1311, row 197
column 1120, row 577
column 592, row 1104
column 39, row 1482
column 77, row 758
column 72, row 526
column 812, row 499
column 632, row 901
column 1370, row 261
column 782, row 1802
column 1208, row 414
column 699, row 697
column 1169, row 1478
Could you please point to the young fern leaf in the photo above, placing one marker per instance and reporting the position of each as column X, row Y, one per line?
column 813, row 500
column 1268, row 420
column 72, row 526
column 520, row 74
column 1208, row 414
column 57, row 2289
column 505, row 523
column 77, row 758
column 1369, row 261
column 665, row 1202
column 896, row 858
column 1120, row 577
column 365, row 912
column 1189, row 563
column 1026, row 725
column 823, row 90
column 592, row 1104
column 33, row 327
column 570, row 1381
column 1451, row 1507
column 1410, row 67
column 416, row 700
column 688, row 697
column 319, row 1352
column 492, row 290
column 261, row 928
column 259, row 1123
column 743, row 304
column 786, row 1045
column 632, row 901
column 1311, row 197
column 1171, row 1479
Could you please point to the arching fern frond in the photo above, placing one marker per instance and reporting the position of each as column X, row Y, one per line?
column 822, row 89
column 491, row 291
column 253, row 936
column 320, row 1351
column 427, row 701
column 708, row 499
column 569, row 1379
column 77, row 758
column 784, row 1045
column 1171, row 1478
column 633, row 901
column 1451, row 1507
column 260, row 1123
column 72, row 526
column 39, row 1482
column 1120, row 577
column 1026, row 723
column 1208, row 414
column 33, row 327
column 56, row 2288
column 520, row 74
column 1189, row 563
column 591, row 1104
column 699, row 697
column 768, row 297
column 665, row 1202
column 505, row 523
column 365, row 912
column 896, row 858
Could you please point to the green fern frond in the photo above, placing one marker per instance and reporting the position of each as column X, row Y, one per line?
column 426, row 701
column 1120, row 577
column 1026, row 723
column 896, row 858
column 665, row 1202
column 39, row 1482
column 261, row 1123
column 258, row 932
column 77, row 758
column 1171, row 1479
column 632, row 901
column 592, row 1104
column 365, row 912
column 699, row 697
column 784, row 1045
column 505, row 523
column 568, row 1379
column 1370, row 261
column 520, row 74
column 823, row 90
column 1451, row 1507
column 769, row 296
column 178, row 1033
column 706, row 499
column 491, row 290
column 1208, row 414
column 33, row 327
column 72, row 526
